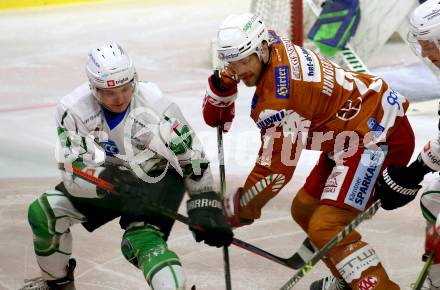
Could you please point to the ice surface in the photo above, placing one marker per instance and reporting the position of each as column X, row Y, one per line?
column 43, row 53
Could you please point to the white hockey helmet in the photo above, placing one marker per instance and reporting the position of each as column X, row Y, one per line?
column 425, row 24
column 109, row 66
column 241, row 35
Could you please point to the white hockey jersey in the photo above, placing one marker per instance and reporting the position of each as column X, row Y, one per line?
column 139, row 141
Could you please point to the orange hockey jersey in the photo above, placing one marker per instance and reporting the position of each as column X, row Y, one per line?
column 303, row 100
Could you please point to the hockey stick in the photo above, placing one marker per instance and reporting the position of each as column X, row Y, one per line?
column 295, row 262
column 330, row 245
column 222, row 196
column 424, row 273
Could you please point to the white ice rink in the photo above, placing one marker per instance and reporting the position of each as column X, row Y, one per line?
column 42, row 57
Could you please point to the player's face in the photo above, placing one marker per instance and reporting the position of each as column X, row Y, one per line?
column 248, row 69
column 431, row 51
column 116, row 99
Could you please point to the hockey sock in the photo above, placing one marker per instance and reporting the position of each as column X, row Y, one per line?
column 361, row 268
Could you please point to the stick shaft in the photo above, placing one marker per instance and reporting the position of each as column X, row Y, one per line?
column 424, row 273
column 222, row 196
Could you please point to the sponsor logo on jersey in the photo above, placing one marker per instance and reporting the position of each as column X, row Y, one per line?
column 393, row 99
column 91, row 118
column 293, row 59
column 368, row 283
column 282, row 82
column 273, row 38
column 350, row 109
column 375, row 127
column 365, row 178
column 110, row 147
column 309, row 65
column 254, row 101
column 328, row 81
column 334, row 183
column 268, row 118
column 392, row 106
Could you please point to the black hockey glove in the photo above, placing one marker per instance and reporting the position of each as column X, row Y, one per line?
column 122, row 179
column 205, row 210
column 131, row 188
column 398, row 185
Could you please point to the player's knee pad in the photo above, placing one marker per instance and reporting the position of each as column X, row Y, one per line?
column 361, row 268
column 303, row 206
column 50, row 217
column 45, row 239
column 145, row 248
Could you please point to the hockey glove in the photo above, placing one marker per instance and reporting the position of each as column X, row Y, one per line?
column 205, row 210
column 131, row 188
column 230, row 206
column 218, row 105
column 398, row 185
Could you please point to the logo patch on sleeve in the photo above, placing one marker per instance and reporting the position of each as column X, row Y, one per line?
column 282, row 82
column 293, row 59
column 310, row 68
